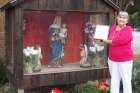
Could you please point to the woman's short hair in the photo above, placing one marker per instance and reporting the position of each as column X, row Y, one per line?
column 123, row 14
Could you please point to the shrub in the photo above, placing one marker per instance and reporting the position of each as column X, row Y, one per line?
column 136, row 77
column 92, row 87
column 137, row 57
column 3, row 77
column 85, row 88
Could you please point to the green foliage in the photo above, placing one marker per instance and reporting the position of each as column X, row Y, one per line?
column 137, row 57
column 136, row 89
column 11, row 92
column 135, row 18
column 134, row 12
column 136, row 71
column 3, row 77
column 85, row 88
column 136, row 7
column 136, row 77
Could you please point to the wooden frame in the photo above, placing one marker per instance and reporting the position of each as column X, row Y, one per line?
column 14, row 56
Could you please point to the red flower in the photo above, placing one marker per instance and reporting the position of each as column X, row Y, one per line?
column 56, row 90
column 103, row 86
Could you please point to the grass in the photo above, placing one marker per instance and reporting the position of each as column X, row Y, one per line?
column 137, row 58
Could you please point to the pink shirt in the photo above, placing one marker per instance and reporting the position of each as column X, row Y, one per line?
column 120, row 50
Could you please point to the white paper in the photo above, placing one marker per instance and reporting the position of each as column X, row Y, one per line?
column 101, row 32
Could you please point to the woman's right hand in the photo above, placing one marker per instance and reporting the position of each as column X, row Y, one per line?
column 99, row 42
column 107, row 41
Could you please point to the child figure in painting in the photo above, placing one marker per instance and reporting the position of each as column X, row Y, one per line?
column 63, row 34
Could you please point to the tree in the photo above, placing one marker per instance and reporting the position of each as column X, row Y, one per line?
column 135, row 8
column 134, row 12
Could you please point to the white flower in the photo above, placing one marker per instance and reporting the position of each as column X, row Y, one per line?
column 29, row 51
column 26, row 52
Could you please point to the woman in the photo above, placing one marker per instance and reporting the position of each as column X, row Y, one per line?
column 120, row 54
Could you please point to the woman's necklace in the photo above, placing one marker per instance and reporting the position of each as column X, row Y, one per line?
column 116, row 30
column 119, row 28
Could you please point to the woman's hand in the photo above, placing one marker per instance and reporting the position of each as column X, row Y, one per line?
column 107, row 41
column 102, row 42
column 99, row 42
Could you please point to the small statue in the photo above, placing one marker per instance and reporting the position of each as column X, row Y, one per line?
column 27, row 59
column 55, row 45
column 63, row 34
column 36, row 56
column 89, row 33
column 32, row 57
column 94, row 50
column 84, row 55
column 89, row 27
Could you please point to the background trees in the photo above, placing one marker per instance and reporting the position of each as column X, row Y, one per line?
column 134, row 12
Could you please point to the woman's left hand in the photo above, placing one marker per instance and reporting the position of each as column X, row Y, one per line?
column 99, row 42
column 107, row 41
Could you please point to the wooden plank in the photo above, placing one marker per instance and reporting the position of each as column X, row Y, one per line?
column 9, row 16
column 64, row 78
column 82, row 76
column 18, row 54
column 112, row 18
column 56, row 4
column 60, row 78
column 63, row 5
column 34, row 4
column 9, row 35
column 27, row 82
column 59, row 4
column 51, row 4
column 43, row 4
column 46, row 79
column 30, row 4
column 100, row 5
column 87, row 4
column 66, row 4
column 93, row 75
column 35, row 81
column 76, row 5
column 7, row 38
column 93, row 5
